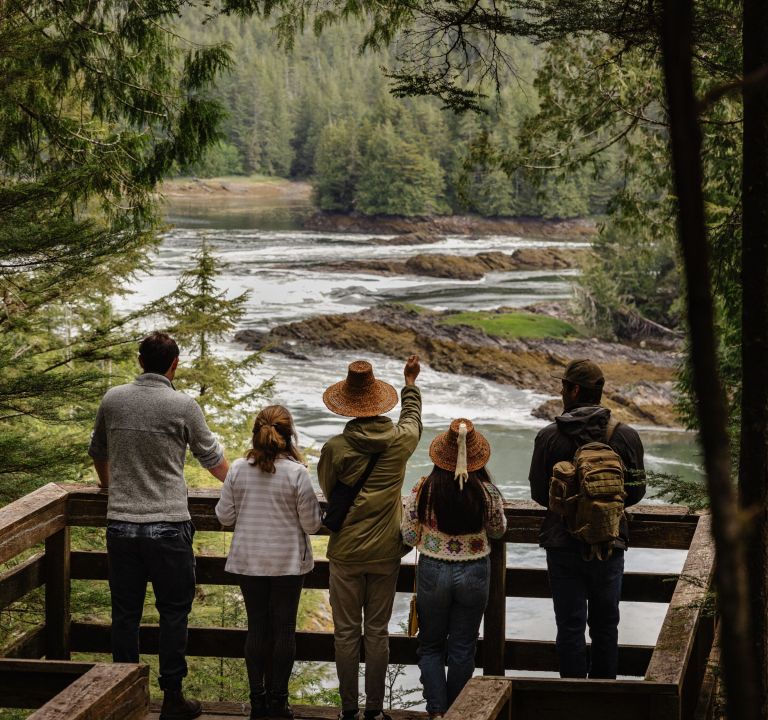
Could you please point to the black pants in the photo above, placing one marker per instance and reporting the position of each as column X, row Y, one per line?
column 160, row 553
column 270, row 646
column 586, row 592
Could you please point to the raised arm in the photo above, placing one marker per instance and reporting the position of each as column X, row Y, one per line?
column 410, row 402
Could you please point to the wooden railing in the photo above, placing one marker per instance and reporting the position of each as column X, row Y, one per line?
column 673, row 669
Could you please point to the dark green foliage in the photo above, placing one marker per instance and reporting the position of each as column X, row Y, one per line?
column 396, row 178
column 337, row 167
column 309, row 112
column 201, row 315
column 98, row 101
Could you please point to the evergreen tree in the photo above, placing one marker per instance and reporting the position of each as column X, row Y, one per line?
column 337, row 167
column 396, row 178
column 200, row 316
column 98, row 101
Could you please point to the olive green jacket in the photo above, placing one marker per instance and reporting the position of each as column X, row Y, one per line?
column 371, row 530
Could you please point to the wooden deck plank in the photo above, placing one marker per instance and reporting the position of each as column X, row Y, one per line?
column 228, row 710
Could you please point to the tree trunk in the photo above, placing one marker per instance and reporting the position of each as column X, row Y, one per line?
column 753, row 460
column 730, row 575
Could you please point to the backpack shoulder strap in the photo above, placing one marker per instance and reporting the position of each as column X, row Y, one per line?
column 610, row 428
column 358, row 486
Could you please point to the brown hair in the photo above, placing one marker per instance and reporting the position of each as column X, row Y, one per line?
column 456, row 511
column 273, row 436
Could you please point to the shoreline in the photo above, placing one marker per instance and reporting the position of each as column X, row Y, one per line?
column 237, row 192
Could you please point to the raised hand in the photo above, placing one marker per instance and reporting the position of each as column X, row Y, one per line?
column 412, row 370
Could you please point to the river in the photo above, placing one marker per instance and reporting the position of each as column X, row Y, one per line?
column 269, row 256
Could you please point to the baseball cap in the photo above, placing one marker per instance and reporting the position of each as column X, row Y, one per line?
column 582, row 372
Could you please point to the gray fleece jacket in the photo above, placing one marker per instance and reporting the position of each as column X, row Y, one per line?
column 143, row 429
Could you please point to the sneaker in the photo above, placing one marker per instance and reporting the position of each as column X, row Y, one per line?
column 177, row 707
column 376, row 715
column 349, row 715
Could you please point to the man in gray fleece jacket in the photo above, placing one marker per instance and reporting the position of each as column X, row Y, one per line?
column 138, row 447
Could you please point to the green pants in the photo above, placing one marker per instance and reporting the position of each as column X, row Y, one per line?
column 361, row 596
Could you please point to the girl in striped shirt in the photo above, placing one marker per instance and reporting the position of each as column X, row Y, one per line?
column 269, row 499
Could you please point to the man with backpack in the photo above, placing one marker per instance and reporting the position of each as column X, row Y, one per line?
column 361, row 472
column 585, row 469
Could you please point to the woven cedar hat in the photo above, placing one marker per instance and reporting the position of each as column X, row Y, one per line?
column 361, row 394
column 444, row 449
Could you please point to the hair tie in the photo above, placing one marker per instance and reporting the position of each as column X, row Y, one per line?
column 461, row 473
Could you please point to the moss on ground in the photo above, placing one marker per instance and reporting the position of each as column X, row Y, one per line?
column 510, row 325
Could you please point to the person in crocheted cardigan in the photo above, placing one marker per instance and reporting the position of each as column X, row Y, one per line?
column 449, row 518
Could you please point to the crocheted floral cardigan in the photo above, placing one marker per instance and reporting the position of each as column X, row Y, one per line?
column 427, row 539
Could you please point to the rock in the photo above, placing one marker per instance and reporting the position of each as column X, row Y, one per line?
column 474, row 225
column 411, row 238
column 462, row 267
column 445, row 266
column 252, row 339
column 548, row 410
column 640, row 382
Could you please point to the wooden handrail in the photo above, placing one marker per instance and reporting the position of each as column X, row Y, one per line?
column 118, row 691
column 674, row 667
column 661, row 526
column 31, row 519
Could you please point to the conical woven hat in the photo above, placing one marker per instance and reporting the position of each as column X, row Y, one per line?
column 444, row 449
column 361, row 394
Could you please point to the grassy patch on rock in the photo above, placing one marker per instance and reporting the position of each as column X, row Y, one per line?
column 511, row 325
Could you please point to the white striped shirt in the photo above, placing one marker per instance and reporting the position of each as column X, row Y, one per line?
column 272, row 514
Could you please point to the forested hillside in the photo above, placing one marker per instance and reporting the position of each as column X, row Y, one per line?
column 324, row 111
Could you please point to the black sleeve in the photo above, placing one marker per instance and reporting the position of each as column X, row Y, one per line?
column 627, row 443
column 538, row 476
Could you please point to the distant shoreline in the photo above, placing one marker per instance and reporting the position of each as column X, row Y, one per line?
column 237, row 192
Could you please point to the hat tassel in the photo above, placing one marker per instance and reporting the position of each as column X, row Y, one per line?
column 461, row 473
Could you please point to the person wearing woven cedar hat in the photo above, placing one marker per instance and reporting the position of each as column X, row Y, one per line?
column 586, row 589
column 365, row 467
column 449, row 517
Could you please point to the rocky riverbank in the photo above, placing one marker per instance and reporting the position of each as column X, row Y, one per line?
column 639, row 381
column 460, row 267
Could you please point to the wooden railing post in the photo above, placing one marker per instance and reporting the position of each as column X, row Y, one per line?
column 57, row 595
column 495, row 622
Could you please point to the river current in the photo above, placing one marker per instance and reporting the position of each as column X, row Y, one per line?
column 268, row 256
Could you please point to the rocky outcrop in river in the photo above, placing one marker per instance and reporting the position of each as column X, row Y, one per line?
column 574, row 229
column 639, row 382
column 461, row 267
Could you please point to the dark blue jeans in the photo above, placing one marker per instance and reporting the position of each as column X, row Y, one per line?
column 586, row 592
column 160, row 553
column 451, row 599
